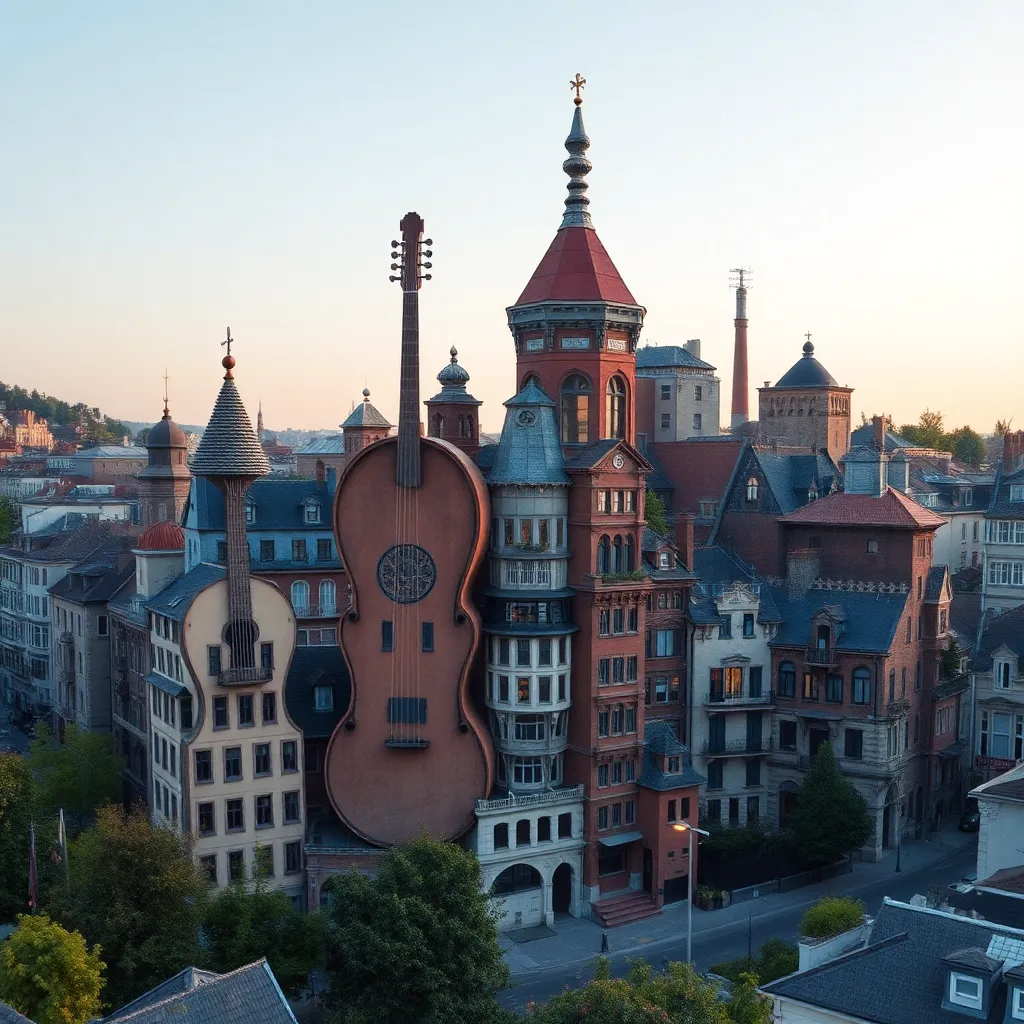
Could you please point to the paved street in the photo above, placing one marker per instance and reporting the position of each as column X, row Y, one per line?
column 722, row 935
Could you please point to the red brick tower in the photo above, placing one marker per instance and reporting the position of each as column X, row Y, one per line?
column 576, row 327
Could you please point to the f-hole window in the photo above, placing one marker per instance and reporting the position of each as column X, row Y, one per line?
column 615, row 407
column 575, row 407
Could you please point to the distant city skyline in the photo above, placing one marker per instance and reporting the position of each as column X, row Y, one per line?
column 171, row 171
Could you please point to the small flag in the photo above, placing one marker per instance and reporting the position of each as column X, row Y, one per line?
column 32, row 869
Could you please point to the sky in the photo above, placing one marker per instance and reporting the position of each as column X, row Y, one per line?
column 168, row 170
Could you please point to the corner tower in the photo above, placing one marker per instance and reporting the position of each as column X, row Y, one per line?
column 164, row 483
column 576, row 324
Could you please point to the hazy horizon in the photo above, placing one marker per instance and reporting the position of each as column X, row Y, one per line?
column 173, row 170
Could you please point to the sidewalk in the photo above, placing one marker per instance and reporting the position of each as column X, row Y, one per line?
column 577, row 941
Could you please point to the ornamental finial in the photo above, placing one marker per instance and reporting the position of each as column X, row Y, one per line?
column 577, row 166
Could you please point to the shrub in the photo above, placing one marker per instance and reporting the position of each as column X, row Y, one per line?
column 832, row 915
column 774, row 960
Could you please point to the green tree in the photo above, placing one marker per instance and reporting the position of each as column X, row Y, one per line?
column 654, row 512
column 135, row 890
column 16, row 799
column 49, row 974
column 241, row 926
column 949, row 667
column 678, row 996
column 419, row 942
column 8, row 519
column 78, row 775
column 832, row 818
column 967, row 445
column 927, row 432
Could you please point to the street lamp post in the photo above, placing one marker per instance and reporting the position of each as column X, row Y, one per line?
column 683, row 826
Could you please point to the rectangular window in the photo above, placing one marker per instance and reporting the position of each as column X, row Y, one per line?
column 602, row 776
column 268, row 705
column 266, row 550
column 544, row 689
column 186, row 714
column 236, row 866
column 267, row 656
column 602, row 722
column 619, row 620
column 666, row 420
column 427, row 636
column 204, row 766
column 754, row 772
column 387, row 635
column 618, row 670
column 205, row 819
column 261, row 758
column 292, row 858
column 787, row 735
column 523, row 690
column 602, row 817
column 854, row 741
column 603, row 622
column 245, row 710
column 604, row 671
column 232, row 764
column 323, row 698
column 810, row 686
column 715, row 812
column 174, row 760
column 289, row 756
column 715, row 773
column 834, row 688
column 754, row 680
column 603, row 501
column 616, row 815
column 264, row 804
column 617, row 720
column 697, row 419
column 235, row 815
column 666, row 392
column 544, row 651
column 299, row 550
column 163, row 753
column 222, row 552
column 748, row 624
column 523, row 653
column 208, row 866
column 292, row 807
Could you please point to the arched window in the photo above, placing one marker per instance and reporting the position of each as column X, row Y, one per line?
column 752, row 489
column 469, row 426
column 787, row 679
column 462, row 425
column 615, row 407
column 618, row 559
column 300, row 596
column 575, row 407
column 328, row 598
column 517, row 878
column 603, row 556
column 630, row 553
column 861, row 685
column 438, row 425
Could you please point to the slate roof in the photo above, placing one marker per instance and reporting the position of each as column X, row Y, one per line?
column 485, row 457
column 365, row 415
column 453, row 379
column 175, row 599
column 657, row 479
column 659, row 741
column 249, row 995
column 11, row 1016
column 333, row 444
column 893, row 509
column 657, row 356
column 278, row 504
column 998, row 907
column 229, row 446
column 1008, row 786
column 576, row 267
column 714, row 566
column 112, row 451
column 790, row 476
column 97, row 579
column 900, row 977
column 807, row 372
column 591, row 455
column 1006, row 630
column 529, row 453
column 864, row 437
column 1000, row 507
column 79, row 543
column 933, row 585
column 316, row 666
column 870, row 624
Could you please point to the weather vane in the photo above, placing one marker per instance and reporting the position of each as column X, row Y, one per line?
column 577, row 83
column 227, row 341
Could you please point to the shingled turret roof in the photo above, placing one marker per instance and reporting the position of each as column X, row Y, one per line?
column 229, row 446
column 365, row 415
column 529, row 452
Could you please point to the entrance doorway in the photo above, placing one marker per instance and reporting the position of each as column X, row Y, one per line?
column 648, row 871
column 561, row 889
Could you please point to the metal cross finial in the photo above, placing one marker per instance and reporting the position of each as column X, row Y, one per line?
column 577, row 83
column 808, row 335
column 227, row 341
column 166, row 411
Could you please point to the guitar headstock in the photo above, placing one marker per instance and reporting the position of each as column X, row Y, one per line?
column 410, row 252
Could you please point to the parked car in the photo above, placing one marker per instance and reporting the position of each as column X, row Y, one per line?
column 970, row 820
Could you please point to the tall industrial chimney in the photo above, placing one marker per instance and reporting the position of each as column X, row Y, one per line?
column 740, row 389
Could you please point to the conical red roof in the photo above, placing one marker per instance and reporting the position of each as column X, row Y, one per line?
column 576, row 268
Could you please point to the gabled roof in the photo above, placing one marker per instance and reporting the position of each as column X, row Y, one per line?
column 1008, row 786
column 529, row 452
column 588, row 457
column 661, row 741
column 333, row 444
column 900, row 977
column 176, row 598
column 1006, row 630
column 1000, row 506
column 935, row 584
column 311, row 667
column 656, row 356
column 249, row 995
column 576, row 268
column 869, row 627
column 893, row 509
column 95, row 580
column 791, row 476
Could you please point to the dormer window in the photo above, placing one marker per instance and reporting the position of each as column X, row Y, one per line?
column 663, row 560
column 965, row 990
column 1003, row 672
column 1017, row 1006
column 752, row 489
column 312, row 512
column 673, row 765
column 250, row 512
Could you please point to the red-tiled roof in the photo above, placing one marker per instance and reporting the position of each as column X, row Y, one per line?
column 893, row 509
column 576, row 267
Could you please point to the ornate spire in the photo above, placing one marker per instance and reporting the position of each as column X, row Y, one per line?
column 577, row 166
column 453, row 375
column 167, row 411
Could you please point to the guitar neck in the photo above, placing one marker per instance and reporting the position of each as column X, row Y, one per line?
column 239, row 590
column 408, row 466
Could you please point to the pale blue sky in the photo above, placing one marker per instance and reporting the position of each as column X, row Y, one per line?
column 169, row 169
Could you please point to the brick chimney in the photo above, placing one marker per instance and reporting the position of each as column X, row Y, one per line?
column 693, row 347
column 802, row 567
column 683, row 535
column 879, row 426
column 1013, row 449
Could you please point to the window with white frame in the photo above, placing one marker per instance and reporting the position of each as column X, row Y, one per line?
column 312, row 512
column 1005, row 531
column 965, row 990
column 1016, row 492
column 1002, row 675
column 1002, row 735
column 1006, row 574
column 1018, row 1004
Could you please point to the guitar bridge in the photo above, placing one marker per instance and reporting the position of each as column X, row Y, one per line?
column 408, row 744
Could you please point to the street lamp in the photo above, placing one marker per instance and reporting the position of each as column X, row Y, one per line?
column 682, row 826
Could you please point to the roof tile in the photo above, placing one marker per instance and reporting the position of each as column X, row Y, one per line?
column 893, row 509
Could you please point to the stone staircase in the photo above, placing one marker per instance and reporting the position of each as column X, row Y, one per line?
column 624, row 909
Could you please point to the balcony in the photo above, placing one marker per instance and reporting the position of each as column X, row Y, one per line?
column 887, row 768
column 820, row 657
column 244, row 676
column 737, row 748
column 317, row 611
column 551, row 796
column 720, row 699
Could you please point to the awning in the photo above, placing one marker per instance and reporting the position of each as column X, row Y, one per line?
column 170, row 686
column 821, row 716
column 956, row 749
column 620, row 838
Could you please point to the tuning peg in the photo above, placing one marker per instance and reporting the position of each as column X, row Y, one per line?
column 394, row 266
column 428, row 241
column 394, row 254
column 393, row 278
column 394, row 244
column 428, row 254
column 427, row 265
column 426, row 277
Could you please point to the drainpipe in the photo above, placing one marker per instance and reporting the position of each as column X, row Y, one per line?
column 693, row 690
